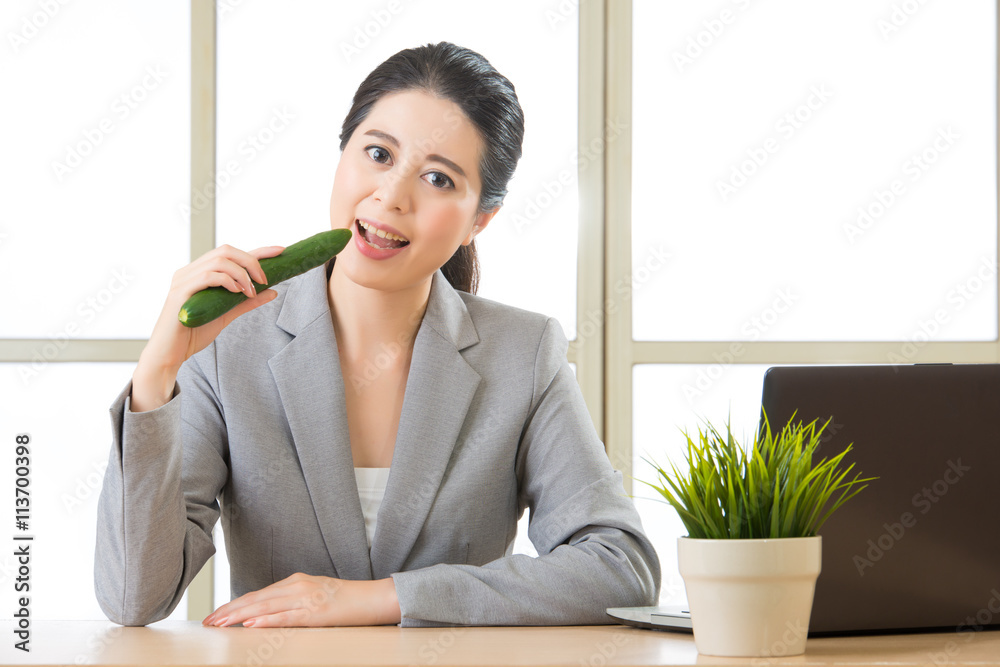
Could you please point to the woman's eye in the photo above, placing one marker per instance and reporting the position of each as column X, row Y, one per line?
column 378, row 154
column 439, row 180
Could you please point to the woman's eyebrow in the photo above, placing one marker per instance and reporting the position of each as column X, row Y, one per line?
column 385, row 136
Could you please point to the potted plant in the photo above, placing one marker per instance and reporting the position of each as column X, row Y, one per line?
column 752, row 554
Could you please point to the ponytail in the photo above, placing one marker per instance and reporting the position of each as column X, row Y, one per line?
column 462, row 270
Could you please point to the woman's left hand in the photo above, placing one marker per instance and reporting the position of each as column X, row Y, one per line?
column 304, row 600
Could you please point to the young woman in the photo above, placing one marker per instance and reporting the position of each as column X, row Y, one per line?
column 372, row 428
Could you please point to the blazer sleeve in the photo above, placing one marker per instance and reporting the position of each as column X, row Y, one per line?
column 593, row 553
column 159, row 504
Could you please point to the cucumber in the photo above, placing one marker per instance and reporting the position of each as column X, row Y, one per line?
column 210, row 303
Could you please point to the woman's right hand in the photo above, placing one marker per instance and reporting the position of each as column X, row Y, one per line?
column 172, row 343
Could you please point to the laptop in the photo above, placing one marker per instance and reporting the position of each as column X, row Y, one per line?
column 919, row 549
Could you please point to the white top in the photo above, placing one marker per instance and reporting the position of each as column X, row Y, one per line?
column 371, row 489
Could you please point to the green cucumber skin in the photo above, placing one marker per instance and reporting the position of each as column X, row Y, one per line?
column 212, row 302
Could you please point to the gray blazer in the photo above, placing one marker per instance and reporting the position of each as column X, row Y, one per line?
column 492, row 422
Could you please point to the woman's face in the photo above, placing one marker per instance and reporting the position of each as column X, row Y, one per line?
column 410, row 170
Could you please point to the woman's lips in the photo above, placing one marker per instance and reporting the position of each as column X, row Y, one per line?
column 372, row 251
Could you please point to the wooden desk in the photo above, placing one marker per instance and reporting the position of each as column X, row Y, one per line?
column 188, row 643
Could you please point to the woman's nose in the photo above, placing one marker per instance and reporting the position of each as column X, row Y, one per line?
column 393, row 191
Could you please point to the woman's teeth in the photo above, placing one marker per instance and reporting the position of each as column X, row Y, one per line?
column 381, row 233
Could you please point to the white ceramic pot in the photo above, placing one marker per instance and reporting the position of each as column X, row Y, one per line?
column 750, row 598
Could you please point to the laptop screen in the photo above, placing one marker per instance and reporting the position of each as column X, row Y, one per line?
column 920, row 547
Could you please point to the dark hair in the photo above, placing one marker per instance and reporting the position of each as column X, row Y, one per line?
column 487, row 99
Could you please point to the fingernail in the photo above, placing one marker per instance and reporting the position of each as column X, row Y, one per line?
column 249, row 624
column 221, row 622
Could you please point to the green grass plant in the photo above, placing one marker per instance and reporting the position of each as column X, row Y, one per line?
column 772, row 489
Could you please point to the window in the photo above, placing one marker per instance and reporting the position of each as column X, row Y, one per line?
column 96, row 161
column 811, row 183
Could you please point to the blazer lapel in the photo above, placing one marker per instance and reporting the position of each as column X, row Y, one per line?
column 310, row 384
column 439, row 391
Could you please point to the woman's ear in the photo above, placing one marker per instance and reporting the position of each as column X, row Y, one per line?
column 482, row 219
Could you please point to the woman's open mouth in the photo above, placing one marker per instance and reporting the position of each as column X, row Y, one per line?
column 378, row 238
